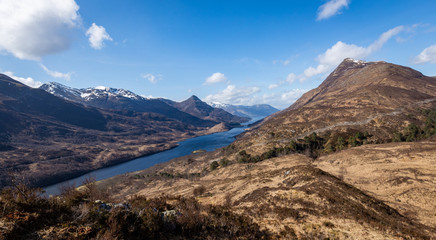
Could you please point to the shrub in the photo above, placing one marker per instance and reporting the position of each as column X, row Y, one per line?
column 340, row 143
column 213, row 165
column 224, row 162
column 198, row 191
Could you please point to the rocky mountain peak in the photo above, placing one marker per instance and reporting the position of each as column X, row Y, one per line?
column 195, row 98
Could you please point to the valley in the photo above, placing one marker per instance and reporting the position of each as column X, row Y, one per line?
column 364, row 169
column 217, row 120
column 48, row 139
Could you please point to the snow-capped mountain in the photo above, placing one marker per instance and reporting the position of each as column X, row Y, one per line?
column 254, row 111
column 120, row 99
column 87, row 94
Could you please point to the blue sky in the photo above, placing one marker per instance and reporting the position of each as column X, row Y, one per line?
column 237, row 52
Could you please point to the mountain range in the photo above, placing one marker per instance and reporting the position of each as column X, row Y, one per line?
column 200, row 109
column 120, row 99
column 254, row 111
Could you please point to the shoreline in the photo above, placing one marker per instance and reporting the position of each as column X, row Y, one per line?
column 117, row 162
column 114, row 163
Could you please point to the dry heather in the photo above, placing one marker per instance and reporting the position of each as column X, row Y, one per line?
column 81, row 214
column 286, row 195
column 403, row 175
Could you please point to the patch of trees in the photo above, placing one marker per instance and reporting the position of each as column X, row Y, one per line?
column 414, row 132
column 312, row 146
column 169, row 175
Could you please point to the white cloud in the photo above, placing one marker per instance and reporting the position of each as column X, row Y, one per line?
column 427, row 55
column 151, row 77
column 216, row 78
column 384, row 38
column 331, row 8
column 32, row 29
column 97, row 35
column 291, row 78
column 272, row 86
column 55, row 74
column 338, row 52
column 281, row 99
column 27, row 81
column 234, row 95
column 254, row 95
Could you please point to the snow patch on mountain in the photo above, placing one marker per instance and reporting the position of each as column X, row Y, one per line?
column 87, row 94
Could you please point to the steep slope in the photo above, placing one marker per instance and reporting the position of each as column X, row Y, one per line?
column 375, row 97
column 120, row 99
column 254, row 111
column 46, row 139
column 200, row 109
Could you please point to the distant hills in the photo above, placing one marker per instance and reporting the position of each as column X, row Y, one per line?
column 254, row 111
column 200, row 109
column 120, row 99
column 192, row 110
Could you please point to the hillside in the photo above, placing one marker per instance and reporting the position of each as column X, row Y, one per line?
column 375, row 97
column 47, row 139
column 297, row 198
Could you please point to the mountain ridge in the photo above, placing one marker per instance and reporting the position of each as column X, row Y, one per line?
column 196, row 107
column 192, row 110
column 120, row 99
column 253, row 111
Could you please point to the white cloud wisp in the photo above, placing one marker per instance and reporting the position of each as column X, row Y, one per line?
column 338, row 52
column 152, row 78
column 56, row 74
column 331, row 8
